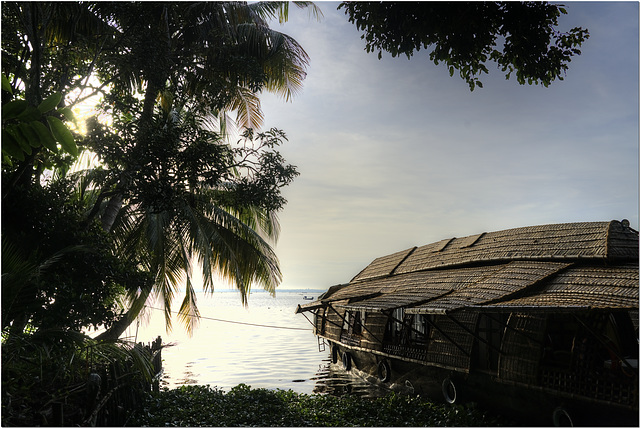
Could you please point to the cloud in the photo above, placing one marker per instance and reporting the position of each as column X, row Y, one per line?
column 396, row 153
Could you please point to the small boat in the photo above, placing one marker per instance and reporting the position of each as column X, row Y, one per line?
column 538, row 322
column 307, row 298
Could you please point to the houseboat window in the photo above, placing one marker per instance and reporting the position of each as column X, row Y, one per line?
column 393, row 330
column 618, row 343
column 353, row 322
column 621, row 324
column 358, row 319
column 600, row 347
column 398, row 316
column 420, row 330
column 347, row 321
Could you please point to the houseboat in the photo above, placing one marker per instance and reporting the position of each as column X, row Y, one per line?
column 538, row 321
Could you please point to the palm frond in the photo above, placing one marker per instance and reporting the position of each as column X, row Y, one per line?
column 284, row 59
column 119, row 351
column 19, row 272
column 188, row 312
column 285, row 66
column 166, row 265
column 247, row 105
column 280, row 9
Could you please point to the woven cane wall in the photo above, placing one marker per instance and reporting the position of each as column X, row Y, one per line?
column 372, row 335
column 333, row 328
column 319, row 320
column 442, row 351
column 521, row 349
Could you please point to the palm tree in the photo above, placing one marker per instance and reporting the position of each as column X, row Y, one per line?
column 180, row 213
column 211, row 58
column 217, row 56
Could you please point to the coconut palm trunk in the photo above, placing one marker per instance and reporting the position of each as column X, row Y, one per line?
column 117, row 329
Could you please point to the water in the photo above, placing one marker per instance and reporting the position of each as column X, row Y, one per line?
column 225, row 354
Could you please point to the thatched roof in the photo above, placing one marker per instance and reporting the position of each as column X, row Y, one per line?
column 592, row 287
column 568, row 266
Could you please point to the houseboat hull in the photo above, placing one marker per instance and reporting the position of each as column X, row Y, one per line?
column 526, row 406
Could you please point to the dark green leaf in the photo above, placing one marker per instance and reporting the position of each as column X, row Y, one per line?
column 20, row 138
column 68, row 113
column 29, row 114
column 50, row 102
column 62, row 135
column 30, row 134
column 46, row 138
column 6, row 86
column 10, row 146
column 13, row 109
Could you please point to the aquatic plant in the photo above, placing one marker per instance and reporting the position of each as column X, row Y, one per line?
column 197, row 405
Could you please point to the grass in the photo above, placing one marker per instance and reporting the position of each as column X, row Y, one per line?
column 197, row 405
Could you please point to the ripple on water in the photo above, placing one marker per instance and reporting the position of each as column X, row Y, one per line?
column 225, row 355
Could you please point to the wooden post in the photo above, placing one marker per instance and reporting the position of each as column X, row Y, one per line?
column 156, row 351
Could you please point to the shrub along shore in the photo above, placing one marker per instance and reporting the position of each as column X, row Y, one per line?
column 197, row 405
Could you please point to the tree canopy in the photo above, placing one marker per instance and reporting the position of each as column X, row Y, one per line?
column 169, row 189
column 88, row 245
column 520, row 37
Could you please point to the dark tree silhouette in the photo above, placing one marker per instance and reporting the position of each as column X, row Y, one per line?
column 520, row 37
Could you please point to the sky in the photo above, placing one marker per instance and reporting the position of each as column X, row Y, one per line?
column 395, row 153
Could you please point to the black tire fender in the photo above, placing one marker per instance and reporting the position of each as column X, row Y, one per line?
column 561, row 417
column 334, row 354
column 449, row 391
column 384, row 371
column 346, row 361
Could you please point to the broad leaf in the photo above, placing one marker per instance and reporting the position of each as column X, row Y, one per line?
column 12, row 109
column 29, row 114
column 19, row 138
column 50, row 102
column 62, row 135
column 45, row 136
column 68, row 113
column 30, row 134
column 10, row 146
column 6, row 86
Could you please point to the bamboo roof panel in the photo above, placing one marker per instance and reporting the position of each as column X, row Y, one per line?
column 620, row 246
column 360, row 289
column 594, row 240
column 383, row 266
column 511, row 278
column 572, row 264
column 416, row 287
column 599, row 287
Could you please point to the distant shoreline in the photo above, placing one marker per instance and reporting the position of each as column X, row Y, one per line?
column 283, row 290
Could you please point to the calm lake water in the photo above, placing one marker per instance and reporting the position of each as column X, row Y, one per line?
column 279, row 351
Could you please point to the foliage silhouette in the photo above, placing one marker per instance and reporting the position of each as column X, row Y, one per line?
column 466, row 35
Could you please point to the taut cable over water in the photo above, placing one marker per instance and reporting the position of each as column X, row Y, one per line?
column 238, row 322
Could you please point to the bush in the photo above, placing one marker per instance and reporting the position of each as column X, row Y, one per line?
column 62, row 378
column 197, row 405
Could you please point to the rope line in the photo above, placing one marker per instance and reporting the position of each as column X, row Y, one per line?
column 237, row 322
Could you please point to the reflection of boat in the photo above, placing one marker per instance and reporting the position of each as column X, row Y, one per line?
column 542, row 320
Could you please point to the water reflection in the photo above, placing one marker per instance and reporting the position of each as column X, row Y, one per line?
column 332, row 379
column 224, row 355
